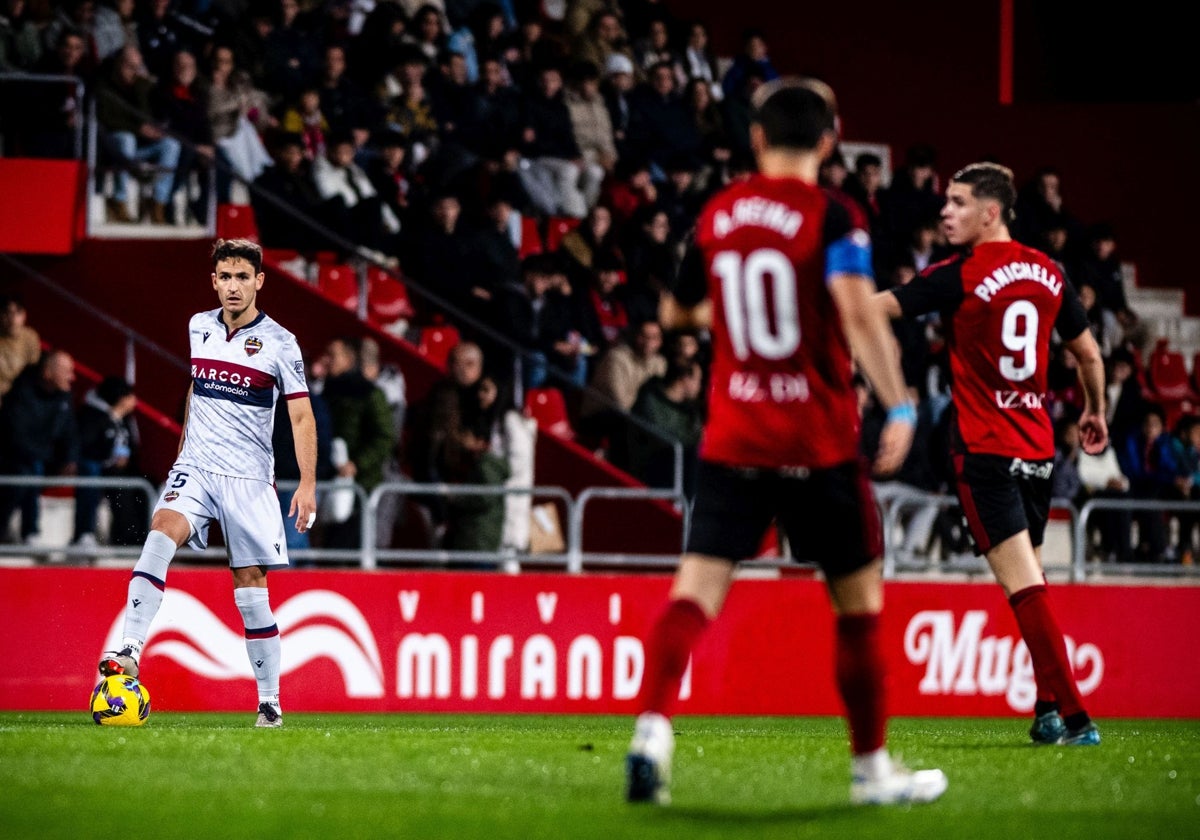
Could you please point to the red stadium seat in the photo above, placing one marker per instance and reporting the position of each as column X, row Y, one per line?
column 1195, row 380
column 556, row 228
column 549, row 409
column 387, row 298
column 531, row 240
column 437, row 342
column 236, row 221
column 339, row 283
column 1167, row 373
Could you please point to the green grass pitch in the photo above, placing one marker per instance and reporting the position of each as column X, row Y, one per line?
column 509, row 776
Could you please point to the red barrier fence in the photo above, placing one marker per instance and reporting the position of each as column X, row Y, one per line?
column 430, row 641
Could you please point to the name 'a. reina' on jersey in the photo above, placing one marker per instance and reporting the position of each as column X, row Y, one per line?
column 781, row 393
column 236, row 379
column 1000, row 303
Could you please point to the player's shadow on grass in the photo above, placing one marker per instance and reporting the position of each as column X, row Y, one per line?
column 714, row 816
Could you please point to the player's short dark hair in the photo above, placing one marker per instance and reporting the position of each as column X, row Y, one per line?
column 795, row 112
column 990, row 180
column 237, row 249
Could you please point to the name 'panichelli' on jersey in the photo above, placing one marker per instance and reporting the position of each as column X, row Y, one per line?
column 236, row 379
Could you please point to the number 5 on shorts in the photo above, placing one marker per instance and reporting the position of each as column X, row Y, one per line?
column 180, row 480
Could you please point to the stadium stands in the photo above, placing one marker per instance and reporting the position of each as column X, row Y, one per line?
column 549, row 409
column 236, row 221
column 436, row 343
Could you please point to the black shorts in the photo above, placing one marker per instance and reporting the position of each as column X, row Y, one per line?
column 1002, row 496
column 828, row 515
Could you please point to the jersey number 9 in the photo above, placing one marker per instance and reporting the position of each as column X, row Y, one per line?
column 1019, row 332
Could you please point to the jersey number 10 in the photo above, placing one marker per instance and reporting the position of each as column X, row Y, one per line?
column 744, row 295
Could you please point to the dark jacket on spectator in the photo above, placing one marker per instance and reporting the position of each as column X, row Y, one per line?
column 276, row 227
column 185, row 110
column 493, row 122
column 36, row 425
column 284, row 443
column 361, row 417
column 551, row 123
column 124, row 108
column 661, row 128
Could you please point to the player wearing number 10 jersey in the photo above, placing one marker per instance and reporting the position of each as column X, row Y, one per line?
column 1000, row 301
column 784, row 281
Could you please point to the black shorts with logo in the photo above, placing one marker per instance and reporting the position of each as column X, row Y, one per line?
column 1002, row 496
column 828, row 515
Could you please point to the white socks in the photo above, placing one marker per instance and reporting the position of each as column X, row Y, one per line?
column 262, row 640
column 146, row 587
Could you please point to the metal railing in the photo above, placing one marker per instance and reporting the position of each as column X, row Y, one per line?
column 575, row 555
column 897, row 501
column 1082, row 569
column 99, row 483
column 371, row 555
column 894, row 504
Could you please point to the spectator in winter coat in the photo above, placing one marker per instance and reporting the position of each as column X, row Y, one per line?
column 38, row 435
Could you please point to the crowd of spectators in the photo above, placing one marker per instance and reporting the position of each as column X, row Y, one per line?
column 440, row 135
column 45, row 432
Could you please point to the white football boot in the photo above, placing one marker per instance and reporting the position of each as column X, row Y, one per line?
column 879, row 780
column 648, row 764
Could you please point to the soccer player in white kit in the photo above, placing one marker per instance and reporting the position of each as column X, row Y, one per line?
column 242, row 362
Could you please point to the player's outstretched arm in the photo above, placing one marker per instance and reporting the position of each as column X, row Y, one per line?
column 1093, row 428
column 873, row 345
column 304, row 431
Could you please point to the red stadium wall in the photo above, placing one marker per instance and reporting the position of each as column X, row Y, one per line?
column 392, row 642
column 929, row 73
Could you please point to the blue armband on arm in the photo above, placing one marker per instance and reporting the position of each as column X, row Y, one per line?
column 902, row 413
column 849, row 255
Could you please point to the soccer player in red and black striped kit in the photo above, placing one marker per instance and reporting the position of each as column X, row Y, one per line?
column 1000, row 301
column 783, row 277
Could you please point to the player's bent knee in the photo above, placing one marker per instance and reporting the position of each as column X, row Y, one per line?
column 244, row 576
column 172, row 523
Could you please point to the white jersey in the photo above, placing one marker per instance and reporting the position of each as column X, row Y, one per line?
column 236, row 379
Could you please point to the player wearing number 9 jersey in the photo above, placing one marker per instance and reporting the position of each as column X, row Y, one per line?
column 1000, row 301
column 783, row 279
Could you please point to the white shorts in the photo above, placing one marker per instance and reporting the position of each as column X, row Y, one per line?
column 247, row 509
